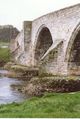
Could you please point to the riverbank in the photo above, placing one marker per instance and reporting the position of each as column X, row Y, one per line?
column 48, row 103
column 37, row 85
column 20, row 72
column 55, row 105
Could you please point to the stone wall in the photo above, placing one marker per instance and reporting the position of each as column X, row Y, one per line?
column 20, row 48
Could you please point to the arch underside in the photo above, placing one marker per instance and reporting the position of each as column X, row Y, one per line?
column 74, row 56
column 44, row 41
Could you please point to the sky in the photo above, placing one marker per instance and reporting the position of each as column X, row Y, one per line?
column 14, row 12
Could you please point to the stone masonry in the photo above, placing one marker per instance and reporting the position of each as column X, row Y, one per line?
column 51, row 42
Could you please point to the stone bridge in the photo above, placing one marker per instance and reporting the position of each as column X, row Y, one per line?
column 51, row 42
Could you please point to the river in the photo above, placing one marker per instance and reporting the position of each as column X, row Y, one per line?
column 7, row 93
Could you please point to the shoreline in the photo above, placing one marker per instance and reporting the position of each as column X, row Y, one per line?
column 37, row 85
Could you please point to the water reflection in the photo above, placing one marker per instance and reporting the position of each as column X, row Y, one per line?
column 8, row 94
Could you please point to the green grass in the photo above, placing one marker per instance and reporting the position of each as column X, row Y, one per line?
column 4, row 54
column 50, row 105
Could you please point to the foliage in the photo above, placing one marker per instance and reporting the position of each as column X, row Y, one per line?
column 8, row 32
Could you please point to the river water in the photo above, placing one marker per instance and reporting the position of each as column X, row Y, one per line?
column 7, row 93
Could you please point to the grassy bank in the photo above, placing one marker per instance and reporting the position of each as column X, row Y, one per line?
column 4, row 56
column 50, row 105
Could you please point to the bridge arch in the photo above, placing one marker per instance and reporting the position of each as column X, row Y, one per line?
column 73, row 52
column 43, row 42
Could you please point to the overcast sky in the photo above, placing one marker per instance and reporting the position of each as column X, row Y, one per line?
column 16, row 11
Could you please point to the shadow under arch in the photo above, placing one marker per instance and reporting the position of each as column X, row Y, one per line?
column 43, row 42
column 73, row 52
